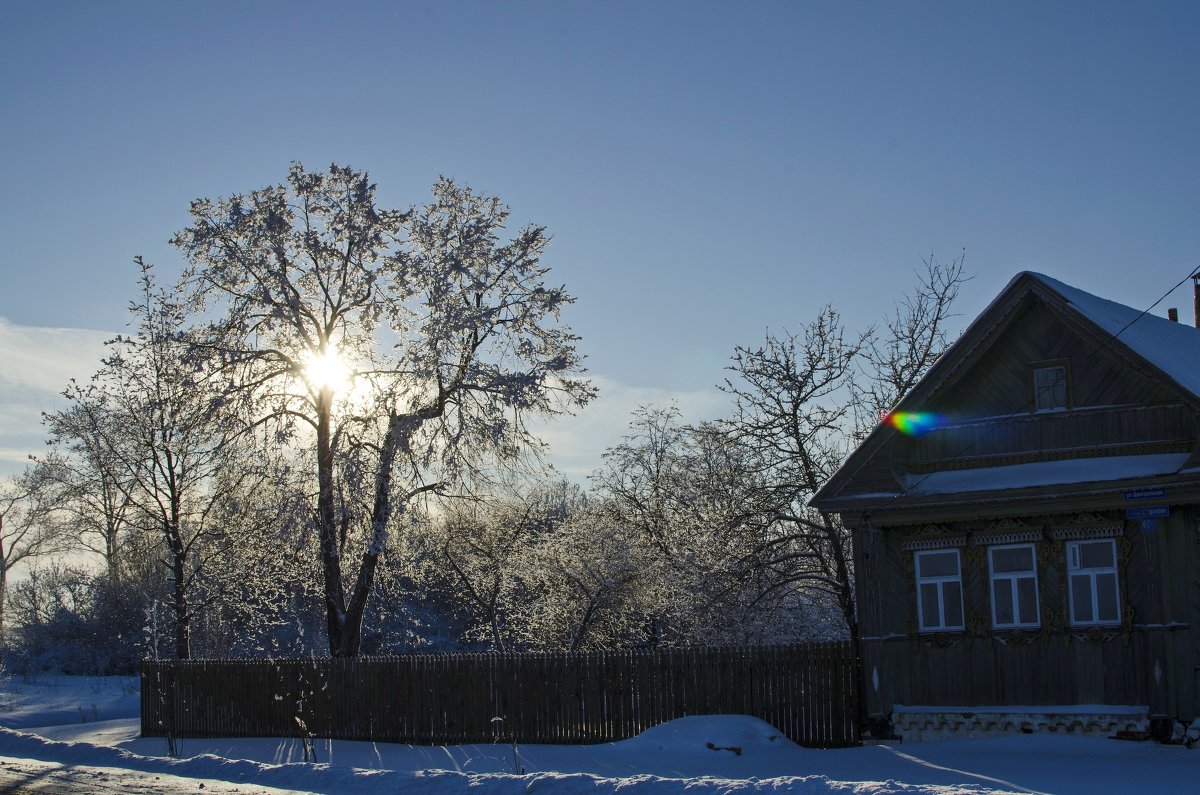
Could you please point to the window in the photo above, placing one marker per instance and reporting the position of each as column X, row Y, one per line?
column 1014, row 586
column 939, row 590
column 1092, row 574
column 1050, row 387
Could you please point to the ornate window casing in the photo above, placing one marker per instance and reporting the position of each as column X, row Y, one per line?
column 1085, row 526
column 940, row 542
column 989, row 582
column 1007, row 531
column 939, row 590
column 1013, row 580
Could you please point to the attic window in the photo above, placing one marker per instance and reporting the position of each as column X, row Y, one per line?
column 1050, row 384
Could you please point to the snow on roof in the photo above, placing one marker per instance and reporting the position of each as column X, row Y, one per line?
column 1043, row 473
column 1172, row 347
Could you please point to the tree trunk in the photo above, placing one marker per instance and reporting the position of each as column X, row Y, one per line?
column 497, row 637
column 111, row 557
column 183, row 649
column 340, row 645
column 3, row 596
column 381, row 515
column 179, row 605
column 3, row 577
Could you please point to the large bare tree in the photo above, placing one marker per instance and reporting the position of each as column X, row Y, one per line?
column 405, row 347
column 150, row 444
column 802, row 400
column 95, row 490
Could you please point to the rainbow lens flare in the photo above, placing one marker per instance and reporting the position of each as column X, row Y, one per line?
column 915, row 423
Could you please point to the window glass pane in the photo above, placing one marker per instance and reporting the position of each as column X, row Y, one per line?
column 1050, row 387
column 938, row 564
column 1106, row 594
column 1081, row 599
column 929, row 606
column 1096, row 554
column 1012, row 559
column 952, row 603
column 1045, row 376
column 1002, row 601
column 1027, row 600
column 1058, row 394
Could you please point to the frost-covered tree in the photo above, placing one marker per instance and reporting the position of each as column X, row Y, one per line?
column 482, row 549
column 158, row 418
column 691, row 504
column 255, row 594
column 27, row 526
column 584, row 582
column 94, row 489
column 402, row 348
column 75, row 620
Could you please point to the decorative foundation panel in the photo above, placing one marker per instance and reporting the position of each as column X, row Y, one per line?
column 917, row 724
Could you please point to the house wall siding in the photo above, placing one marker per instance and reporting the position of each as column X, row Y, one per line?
column 1054, row 664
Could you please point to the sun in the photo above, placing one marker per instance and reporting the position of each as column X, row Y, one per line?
column 327, row 370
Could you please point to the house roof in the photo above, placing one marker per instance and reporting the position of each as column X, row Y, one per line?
column 1174, row 348
column 1166, row 350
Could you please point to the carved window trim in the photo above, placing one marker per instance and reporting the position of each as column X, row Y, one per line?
column 1007, row 531
column 1087, row 526
column 926, row 544
column 1009, row 537
column 1086, row 533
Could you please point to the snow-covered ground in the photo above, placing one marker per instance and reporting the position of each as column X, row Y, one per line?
column 83, row 734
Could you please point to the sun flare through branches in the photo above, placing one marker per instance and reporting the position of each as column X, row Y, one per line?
column 327, row 370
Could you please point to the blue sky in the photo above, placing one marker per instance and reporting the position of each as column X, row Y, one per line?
column 708, row 170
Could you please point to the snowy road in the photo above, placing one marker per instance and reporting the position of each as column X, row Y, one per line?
column 48, row 778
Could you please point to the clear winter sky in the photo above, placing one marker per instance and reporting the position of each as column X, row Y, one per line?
column 708, row 170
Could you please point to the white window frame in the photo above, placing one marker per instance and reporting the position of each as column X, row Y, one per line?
column 1011, row 578
column 1092, row 573
column 939, row 581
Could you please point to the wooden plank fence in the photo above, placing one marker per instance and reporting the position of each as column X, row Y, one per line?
column 807, row 691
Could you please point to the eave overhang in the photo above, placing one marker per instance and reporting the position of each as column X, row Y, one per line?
column 1181, row 488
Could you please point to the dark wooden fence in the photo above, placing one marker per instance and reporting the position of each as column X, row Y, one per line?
column 806, row 691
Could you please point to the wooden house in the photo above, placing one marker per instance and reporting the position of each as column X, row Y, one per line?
column 1026, row 537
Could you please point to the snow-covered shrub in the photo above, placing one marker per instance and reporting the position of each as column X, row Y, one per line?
column 76, row 621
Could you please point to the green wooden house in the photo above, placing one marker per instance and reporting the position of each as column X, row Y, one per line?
column 1026, row 536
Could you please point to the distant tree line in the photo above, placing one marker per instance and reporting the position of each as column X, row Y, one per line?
column 318, row 443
